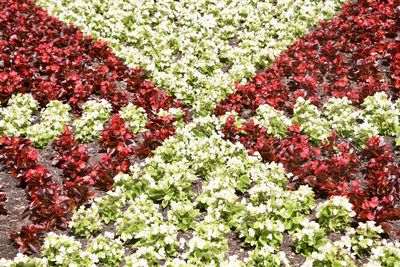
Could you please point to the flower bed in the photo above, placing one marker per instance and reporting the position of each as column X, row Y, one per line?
column 195, row 49
column 51, row 77
column 158, row 212
column 356, row 54
column 364, row 170
column 299, row 167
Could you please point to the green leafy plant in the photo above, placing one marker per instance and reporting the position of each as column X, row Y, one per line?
column 141, row 212
column 365, row 237
column 387, row 255
column 309, row 238
column 89, row 126
column 183, row 214
column 310, row 120
column 64, row 251
column 109, row 251
column 267, row 256
column 52, row 122
column 17, row 116
column 330, row 255
column 274, row 120
column 259, row 230
column 335, row 214
column 135, row 116
column 86, row 222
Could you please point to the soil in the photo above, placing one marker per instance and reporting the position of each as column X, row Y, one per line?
column 287, row 247
column 235, row 246
column 14, row 220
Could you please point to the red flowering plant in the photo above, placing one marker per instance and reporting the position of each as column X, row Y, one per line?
column 355, row 55
column 49, row 206
column 114, row 141
column 73, row 159
column 51, row 60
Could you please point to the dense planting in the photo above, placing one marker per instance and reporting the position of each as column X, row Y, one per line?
column 351, row 163
column 303, row 113
column 52, row 61
column 298, row 167
column 57, row 86
column 195, row 49
column 157, row 211
column 356, row 54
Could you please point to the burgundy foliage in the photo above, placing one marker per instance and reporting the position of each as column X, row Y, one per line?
column 355, row 54
column 51, row 60
column 49, row 206
column 73, row 159
column 368, row 177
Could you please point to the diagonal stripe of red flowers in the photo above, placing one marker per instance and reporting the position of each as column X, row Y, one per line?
column 43, row 56
column 354, row 55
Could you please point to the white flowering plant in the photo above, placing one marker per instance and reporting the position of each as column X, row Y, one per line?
column 52, row 121
column 109, row 251
column 89, row 126
column 266, row 256
column 86, row 222
column 135, row 116
column 309, row 238
column 62, row 250
column 330, row 255
column 17, row 116
column 310, row 120
column 274, row 120
column 140, row 213
column 365, row 238
column 183, row 214
column 386, row 255
column 257, row 229
column 335, row 214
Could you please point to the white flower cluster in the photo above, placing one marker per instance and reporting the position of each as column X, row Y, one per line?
column 23, row 260
column 386, row 255
column 378, row 115
column 335, row 214
column 274, row 120
column 17, row 116
column 52, row 122
column 267, row 256
column 159, row 235
column 342, row 117
column 195, row 49
column 310, row 119
column 140, row 213
column 109, row 251
column 143, row 257
column 309, row 238
column 365, row 237
column 331, row 254
column 86, row 222
column 62, row 250
column 135, row 116
column 208, row 244
column 380, row 112
column 182, row 214
column 89, row 126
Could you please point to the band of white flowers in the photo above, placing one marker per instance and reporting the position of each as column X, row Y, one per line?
column 156, row 205
column 195, row 49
